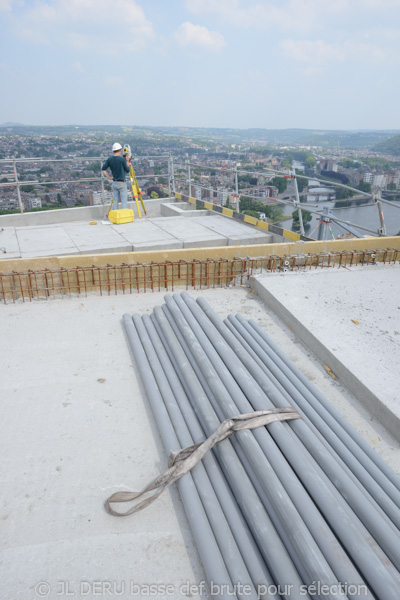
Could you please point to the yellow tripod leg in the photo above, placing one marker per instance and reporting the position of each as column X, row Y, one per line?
column 135, row 195
column 138, row 189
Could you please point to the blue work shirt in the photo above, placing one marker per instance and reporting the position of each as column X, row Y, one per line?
column 118, row 167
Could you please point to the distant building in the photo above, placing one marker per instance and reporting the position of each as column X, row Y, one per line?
column 222, row 195
column 34, row 203
column 97, row 198
column 379, row 181
column 196, row 192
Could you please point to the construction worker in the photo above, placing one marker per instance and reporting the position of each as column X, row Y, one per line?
column 117, row 164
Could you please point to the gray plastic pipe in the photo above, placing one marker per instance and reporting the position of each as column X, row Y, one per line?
column 314, row 565
column 316, row 432
column 297, row 394
column 345, row 523
column 361, row 505
column 210, row 555
column 189, row 432
column 332, row 504
column 361, row 443
column 272, row 548
column 366, row 470
column 329, row 545
column 223, row 533
column 250, row 472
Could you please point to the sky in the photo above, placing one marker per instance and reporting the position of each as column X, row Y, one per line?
column 315, row 64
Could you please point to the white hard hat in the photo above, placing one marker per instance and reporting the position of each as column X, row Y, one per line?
column 116, row 147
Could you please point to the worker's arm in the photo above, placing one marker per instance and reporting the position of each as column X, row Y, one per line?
column 104, row 170
column 106, row 174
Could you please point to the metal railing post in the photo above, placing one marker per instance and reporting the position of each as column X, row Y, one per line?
column 189, row 180
column 236, row 188
column 21, row 207
column 377, row 200
column 171, row 175
column 102, row 183
column 297, row 204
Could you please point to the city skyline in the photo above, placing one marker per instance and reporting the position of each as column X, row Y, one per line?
column 196, row 63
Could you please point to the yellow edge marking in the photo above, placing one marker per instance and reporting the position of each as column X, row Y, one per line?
column 291, row 235
column 208, row 205
column 251, row 220
column 262, row 225
column 228, row 212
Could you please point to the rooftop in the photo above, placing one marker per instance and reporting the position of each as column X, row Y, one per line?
column 76, row 424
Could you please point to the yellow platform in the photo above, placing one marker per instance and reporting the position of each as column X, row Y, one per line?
column 123, row 215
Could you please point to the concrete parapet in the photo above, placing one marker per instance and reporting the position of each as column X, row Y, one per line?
column 67, row 215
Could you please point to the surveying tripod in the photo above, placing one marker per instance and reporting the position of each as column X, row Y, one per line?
column 137, row 194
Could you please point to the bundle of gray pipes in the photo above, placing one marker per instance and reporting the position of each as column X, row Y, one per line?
column 297, row 509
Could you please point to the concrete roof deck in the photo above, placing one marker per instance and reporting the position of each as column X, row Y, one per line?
column 163, row 233
column 76, row 426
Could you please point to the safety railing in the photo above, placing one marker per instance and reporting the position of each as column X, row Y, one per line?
column 18, row 183
column 180, row 176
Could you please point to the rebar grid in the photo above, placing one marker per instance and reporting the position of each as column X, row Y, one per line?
column 156, row 276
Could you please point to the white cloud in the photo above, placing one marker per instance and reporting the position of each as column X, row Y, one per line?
column 6, row 5
column 114, row 81
column 304, row 15
column 315, row 55
column 106, row 26
column 77, row 66
column 199, row 36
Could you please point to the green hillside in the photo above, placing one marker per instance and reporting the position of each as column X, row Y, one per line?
column 390, row 146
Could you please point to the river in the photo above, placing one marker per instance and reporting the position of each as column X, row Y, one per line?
column 366, row 216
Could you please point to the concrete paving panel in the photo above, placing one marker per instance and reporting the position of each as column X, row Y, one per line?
column 84, row 234
column 8, row 255
column 205, row 242
column 188, row 231
column 56, row 252
column 246, row 240
column 144, row 231
column 160, row 245
column 321, row 307
column 106, row 248
column 237, row 233
column 8, row 240
column 54, row 239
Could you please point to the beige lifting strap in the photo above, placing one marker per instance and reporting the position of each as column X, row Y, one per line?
column 182, row 461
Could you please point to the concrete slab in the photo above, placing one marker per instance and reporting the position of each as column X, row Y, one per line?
column 321, row 307
column 8, row 255
column 161, row 245
column 143, row 231
column 190, row 231
column 8, row 241
column 205, row 242
column 245, row 240
column 238, row 234
column 57, row 252
column 53, row 239
column 76, row 427
column 143, row 234
column 226, row 226
column 106, row 248
column 82, row 233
